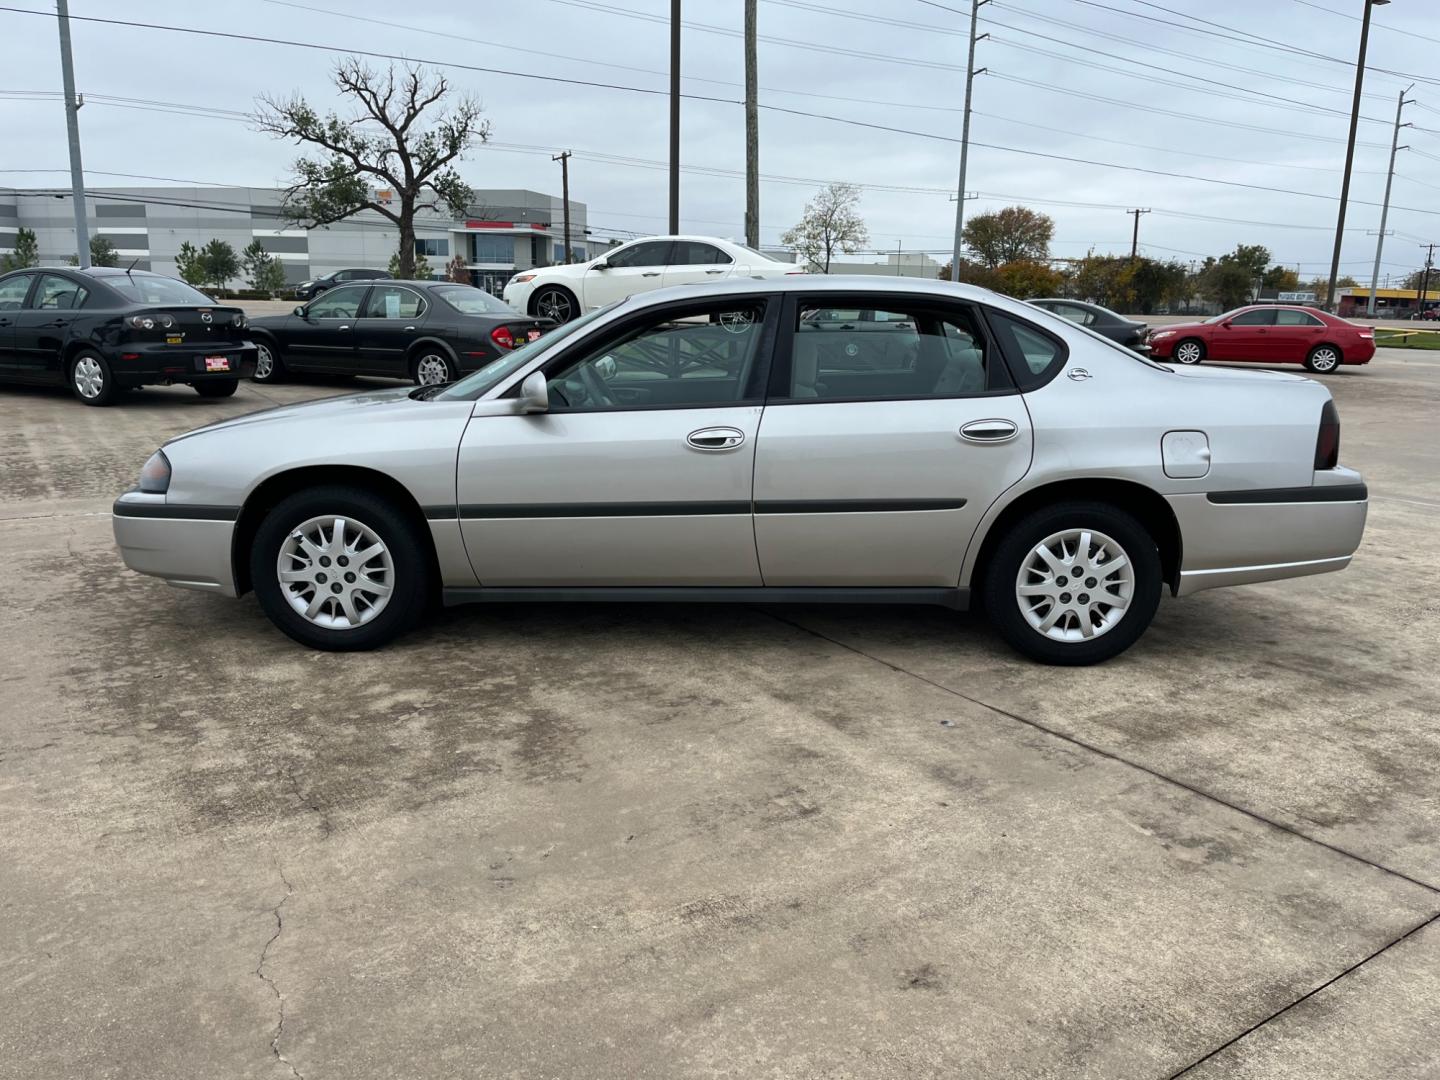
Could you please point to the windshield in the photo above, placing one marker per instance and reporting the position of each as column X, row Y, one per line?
column 478, row 383
column 469, row 300
column 144, row 289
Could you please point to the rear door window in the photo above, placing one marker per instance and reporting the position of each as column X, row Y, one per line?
column 1291, row 317
column 58, row 293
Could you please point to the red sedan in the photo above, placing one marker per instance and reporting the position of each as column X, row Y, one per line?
column 1268, row 334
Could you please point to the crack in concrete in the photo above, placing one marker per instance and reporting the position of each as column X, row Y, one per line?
column 311, row 803
column 260, row 974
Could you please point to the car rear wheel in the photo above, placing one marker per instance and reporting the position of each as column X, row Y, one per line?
column 340, row 569
column 91, row 379
column 269, row 368
column 432, row 368
column 1072, row 584
column 1323, row 359
column 217, row 388
column 1189, row 351
column 553, row 302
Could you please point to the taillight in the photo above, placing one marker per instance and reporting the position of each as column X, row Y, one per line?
column 1327, row 442
column 159, row 321
column 501, row 336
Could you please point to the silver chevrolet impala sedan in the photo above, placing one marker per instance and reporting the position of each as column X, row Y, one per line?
column 802, row 439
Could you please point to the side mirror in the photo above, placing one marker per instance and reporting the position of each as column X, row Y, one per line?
column 534, row 394
column 1226, row 325
column 601, row 265
column 299, row 310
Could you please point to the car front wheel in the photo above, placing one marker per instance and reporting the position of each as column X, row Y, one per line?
column 553, row 302
column 340, row 569
column 1072, row 584
column 1189, row 351
column 268, row 366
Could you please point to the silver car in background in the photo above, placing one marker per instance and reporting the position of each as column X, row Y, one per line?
column 803, row 439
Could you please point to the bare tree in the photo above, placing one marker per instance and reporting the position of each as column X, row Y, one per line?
column 831, row 223
column 382, row 146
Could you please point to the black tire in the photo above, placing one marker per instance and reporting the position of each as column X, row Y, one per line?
column 269, row 364
column 409, row 579
column 554, row 302
column 91, row 379
column 1324, row 359
column 1196, row 350
column 217, row 388
column 426, row 364
column 1003, row 602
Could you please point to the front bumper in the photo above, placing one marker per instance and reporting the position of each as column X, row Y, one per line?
column 143, row 364
column 1304, row 531
column 518, row 296
column 186, row 546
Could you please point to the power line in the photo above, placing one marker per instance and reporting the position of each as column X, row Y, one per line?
column 1356, row 18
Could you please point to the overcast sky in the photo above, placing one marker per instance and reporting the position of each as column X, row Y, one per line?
column 1283, row 114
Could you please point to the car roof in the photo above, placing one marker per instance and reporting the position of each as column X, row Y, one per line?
column 820, row 283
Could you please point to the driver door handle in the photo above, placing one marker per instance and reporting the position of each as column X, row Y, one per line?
column 715, row 438
column 651, row 273
column 345, row 327
column 714, row 271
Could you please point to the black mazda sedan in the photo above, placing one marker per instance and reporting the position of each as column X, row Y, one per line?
column 1102, row 320
column 102, row 330
column 429, row 331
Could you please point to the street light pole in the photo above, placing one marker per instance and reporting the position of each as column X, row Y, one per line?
column 675, row 116
column 72, row 125
column 1385, row 206
column 1350, row 152
column 970, row 74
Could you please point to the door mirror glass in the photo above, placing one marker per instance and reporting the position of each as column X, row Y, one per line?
column 299, row 311
column 534, row 393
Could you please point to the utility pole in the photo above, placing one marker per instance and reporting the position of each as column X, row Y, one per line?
column 564, row 158
column 1425, row 279
column 1135, row 236
column 752, row 131
column 72, row 125
column 1350, row 153
column 970, row 74
column 674, row 116
column 1385, row 206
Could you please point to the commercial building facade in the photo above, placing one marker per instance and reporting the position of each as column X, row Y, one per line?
column 505, row 231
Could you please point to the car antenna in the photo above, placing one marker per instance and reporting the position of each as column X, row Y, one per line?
column 132, row 265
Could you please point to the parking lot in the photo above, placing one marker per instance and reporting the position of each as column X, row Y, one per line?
column 674, row 841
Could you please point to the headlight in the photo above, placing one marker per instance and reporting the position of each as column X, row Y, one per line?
column 520, row 279
column 155, row 476
column 150, row 322
column 1156, row 335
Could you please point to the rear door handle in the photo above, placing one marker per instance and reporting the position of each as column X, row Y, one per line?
column 651, row 273
column 715, row 438
column 989, row 431
column 345, row 327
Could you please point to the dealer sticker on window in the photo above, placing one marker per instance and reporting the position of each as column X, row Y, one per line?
column 217, row 363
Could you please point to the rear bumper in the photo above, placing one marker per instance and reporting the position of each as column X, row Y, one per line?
column 139, row 365
column 186, row 546
column 1237, row 538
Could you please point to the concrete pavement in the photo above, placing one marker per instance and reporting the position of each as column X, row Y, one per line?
column 593, row 841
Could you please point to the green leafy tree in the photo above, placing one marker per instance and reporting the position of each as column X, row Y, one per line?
column 264, row 271
column 26, row 253
column 1103, row 279
column 219, row 263
column 1281, row 278
column 1014, row 234
column 1254, row 258
column 972, row 273
column 102, row 252
column 1227, row 283
column 1154, row 283
column 189, row 265
column 831, row 223
column 1025, row 279
column 420, row 267
column 401, row 140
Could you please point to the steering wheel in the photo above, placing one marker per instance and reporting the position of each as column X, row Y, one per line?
column 595, row 386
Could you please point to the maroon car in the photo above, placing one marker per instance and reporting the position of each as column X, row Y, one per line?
column 1268, row 334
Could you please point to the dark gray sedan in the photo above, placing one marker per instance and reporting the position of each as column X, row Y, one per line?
column 1102, row 320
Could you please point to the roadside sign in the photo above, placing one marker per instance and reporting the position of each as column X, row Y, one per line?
column 1296, row 297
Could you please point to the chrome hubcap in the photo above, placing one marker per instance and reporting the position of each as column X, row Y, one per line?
column 1075, row 585
column 264, row 362
column 336, row 572
column 432, row 370
column 553, row 305
column 89, row 377
column 1189, row 353
column 1325, row 360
